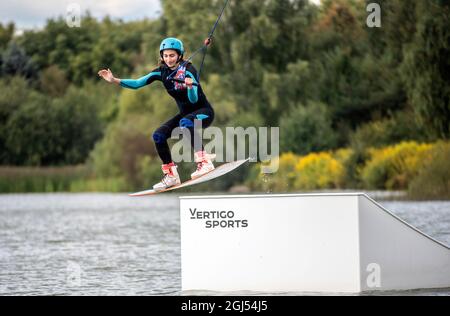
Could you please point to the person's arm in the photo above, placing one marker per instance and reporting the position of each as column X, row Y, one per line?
column 192, row 90
column 139, row 83
column 131, row 83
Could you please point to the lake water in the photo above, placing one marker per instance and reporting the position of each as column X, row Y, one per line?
column 110, row 244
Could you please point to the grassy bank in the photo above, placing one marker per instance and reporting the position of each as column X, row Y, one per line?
column 55, row 179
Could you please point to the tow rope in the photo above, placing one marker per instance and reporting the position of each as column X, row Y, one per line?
column 203, row 48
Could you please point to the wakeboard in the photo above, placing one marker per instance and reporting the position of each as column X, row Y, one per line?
column 218, row 172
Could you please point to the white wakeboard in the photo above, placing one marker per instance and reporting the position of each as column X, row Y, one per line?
column 219, row 171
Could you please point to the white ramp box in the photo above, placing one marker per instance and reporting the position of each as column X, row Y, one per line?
column 333, row 243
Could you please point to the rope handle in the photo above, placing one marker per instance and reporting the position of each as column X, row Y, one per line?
column 182, row 81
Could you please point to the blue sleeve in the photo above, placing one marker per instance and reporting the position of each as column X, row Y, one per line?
column 192, row 93
column 143, row 81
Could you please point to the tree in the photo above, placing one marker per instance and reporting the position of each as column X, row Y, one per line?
column 33, row 133
column 16, row 62
column 14, row 93
column 426, row 68
column 53, row 81
column 307, row 129
column 45, row 131
column 6, row 34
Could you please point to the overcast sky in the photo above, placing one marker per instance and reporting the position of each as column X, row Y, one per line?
column 28, row 14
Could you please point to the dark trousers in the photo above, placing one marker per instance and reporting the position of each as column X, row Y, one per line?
column 164, row 132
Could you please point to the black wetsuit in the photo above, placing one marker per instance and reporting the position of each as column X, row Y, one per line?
column 192, row 105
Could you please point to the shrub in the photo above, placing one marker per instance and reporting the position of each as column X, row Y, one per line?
column 433, row 180
column 281, row 181
column 319, row 171
column 394, row 167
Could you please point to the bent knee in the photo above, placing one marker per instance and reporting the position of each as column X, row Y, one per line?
column 159, row 137
column 186, row 123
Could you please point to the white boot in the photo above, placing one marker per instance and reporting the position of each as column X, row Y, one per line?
column 170, row 179
column 204, row 163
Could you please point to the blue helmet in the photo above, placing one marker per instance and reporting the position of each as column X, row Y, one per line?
column 172, row 43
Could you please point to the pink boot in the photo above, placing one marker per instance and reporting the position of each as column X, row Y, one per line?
column 170, row 179
column 204, row 163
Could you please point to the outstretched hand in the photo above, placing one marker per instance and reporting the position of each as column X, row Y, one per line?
column 107, row 75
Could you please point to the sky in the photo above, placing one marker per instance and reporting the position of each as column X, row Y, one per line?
column 28, row 14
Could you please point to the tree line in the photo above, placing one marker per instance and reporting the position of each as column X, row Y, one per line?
column 318, row 72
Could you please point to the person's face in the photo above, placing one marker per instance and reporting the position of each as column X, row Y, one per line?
column 170, row 57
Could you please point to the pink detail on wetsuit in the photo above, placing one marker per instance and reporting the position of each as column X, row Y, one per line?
column 180, row 75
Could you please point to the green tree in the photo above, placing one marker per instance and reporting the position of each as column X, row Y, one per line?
column 45, row 131
column 80, row 124
column 53, row 81
column 426, row 68
column 14, row 92
column 307, row 129
column 32, row 130
column 16, row 62
column 6, row 34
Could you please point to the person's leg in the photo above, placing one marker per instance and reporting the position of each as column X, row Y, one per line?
column 206, row 117
column 160, row 137
column 169, row 168
column 203, row 159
